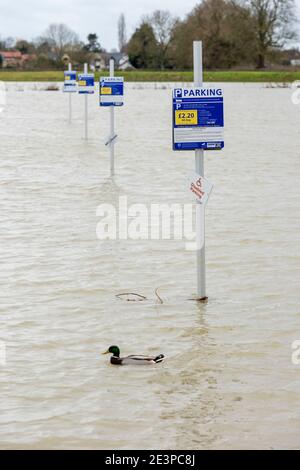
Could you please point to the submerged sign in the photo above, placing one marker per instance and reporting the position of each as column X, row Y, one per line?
column 198, row 119
column 86, row 83
column 70, row 84
column 111, row 91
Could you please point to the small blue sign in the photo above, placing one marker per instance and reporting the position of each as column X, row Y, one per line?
column 70, row 84
column 198, row 119
column 111, row 91
column 86, row 83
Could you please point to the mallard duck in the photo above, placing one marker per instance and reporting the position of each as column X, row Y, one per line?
column 138, row 360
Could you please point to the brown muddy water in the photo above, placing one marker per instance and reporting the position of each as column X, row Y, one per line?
column 228, row 380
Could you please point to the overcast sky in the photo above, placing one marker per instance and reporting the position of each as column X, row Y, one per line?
column 29, row 18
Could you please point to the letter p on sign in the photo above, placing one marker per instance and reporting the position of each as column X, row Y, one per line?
column 178, row 93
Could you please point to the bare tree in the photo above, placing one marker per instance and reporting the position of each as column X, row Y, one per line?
column 273, row 22
column 7, row 43
column 122, row 33
column 163, row 24
column 60, row 38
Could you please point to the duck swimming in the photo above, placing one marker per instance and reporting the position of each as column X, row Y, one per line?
column 137, row 360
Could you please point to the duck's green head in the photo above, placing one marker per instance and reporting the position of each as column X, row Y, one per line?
column 114, row 350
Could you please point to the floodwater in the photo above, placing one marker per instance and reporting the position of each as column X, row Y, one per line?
column 228, row 380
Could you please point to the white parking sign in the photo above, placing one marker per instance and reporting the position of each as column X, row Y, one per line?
column 200, row 187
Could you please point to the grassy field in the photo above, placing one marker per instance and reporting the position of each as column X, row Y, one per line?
column 165, row 76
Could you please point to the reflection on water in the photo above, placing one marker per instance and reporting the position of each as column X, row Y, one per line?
column 228, row 381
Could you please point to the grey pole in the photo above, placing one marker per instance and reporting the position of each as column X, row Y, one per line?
column 86, row 108
column 112, row 124
column 199, row 166
column 70, row 99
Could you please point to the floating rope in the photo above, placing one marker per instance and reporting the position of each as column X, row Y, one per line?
column 157, row 295
column 139, row 297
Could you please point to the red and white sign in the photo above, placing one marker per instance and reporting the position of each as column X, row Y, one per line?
column 200, row 187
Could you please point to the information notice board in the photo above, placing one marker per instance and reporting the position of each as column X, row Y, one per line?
column 198, row 119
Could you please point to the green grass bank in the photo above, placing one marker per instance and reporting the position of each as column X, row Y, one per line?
column 161, row 76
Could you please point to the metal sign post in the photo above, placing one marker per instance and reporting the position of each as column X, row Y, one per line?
column 112, row 124
column 70, row 98
column 86, row 107
column 198, row 124
column 86, row 86
column 199, row 167
column 70, row 86
column 111, row 94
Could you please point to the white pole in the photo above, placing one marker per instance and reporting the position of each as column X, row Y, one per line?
column 70, row 98
column 86, row 107
column 112, row 124
column 199, row 165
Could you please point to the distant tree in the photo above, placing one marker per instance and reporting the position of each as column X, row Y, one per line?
column 59, row 39
column 24, row 46
column 122, row 33
column 80, row 55
column 93, row 44
column 10, row 42
column 163, row 24
column 226, row 31
column 142, row 47
column 43, row 62
column 238, row 31
column 273, row 25
column 43, row 47
column 7, row 43
column 182, row 45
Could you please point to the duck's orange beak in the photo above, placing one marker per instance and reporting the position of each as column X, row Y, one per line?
column 106, row 352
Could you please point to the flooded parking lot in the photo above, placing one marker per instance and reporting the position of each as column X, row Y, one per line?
column 228, row 380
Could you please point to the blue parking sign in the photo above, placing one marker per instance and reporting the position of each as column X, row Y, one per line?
column 198, row 118
column 86, row 83
column 111, row 91
column 70, row 84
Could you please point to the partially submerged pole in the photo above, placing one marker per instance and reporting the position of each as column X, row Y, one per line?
column 112, row 124
column 199, row 167
column 86, row 107
column 111, row 95
column 70, row 97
